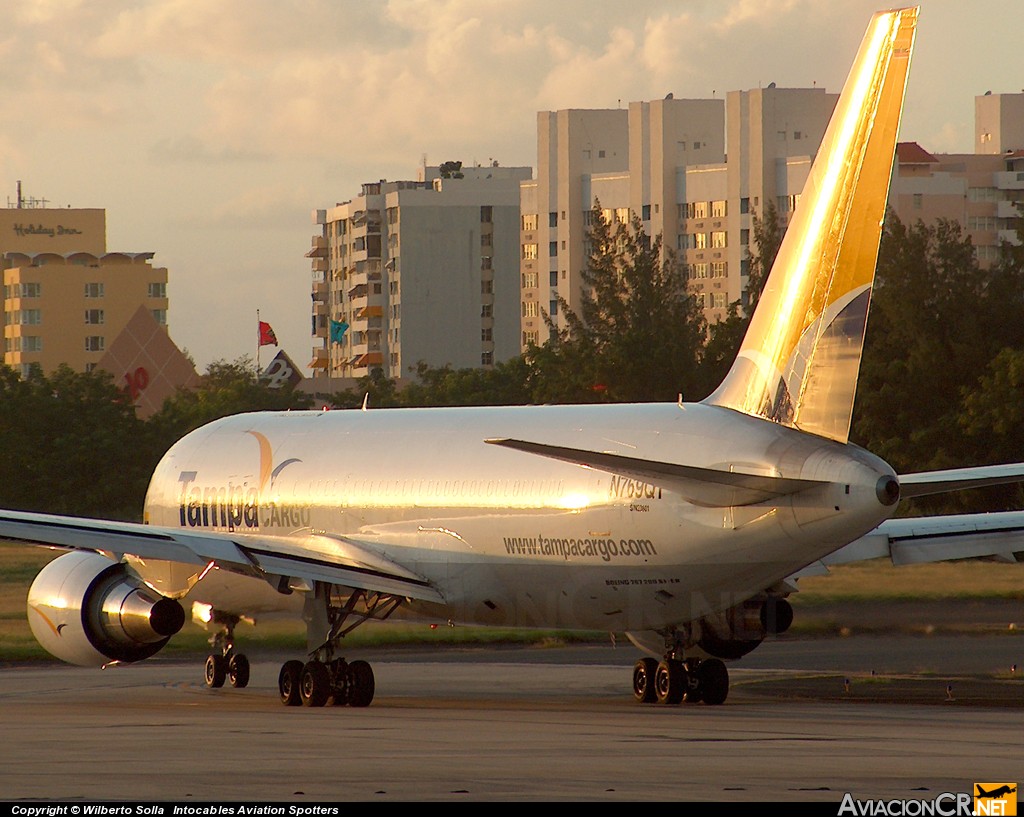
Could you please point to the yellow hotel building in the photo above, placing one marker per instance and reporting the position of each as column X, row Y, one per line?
column 65, row 298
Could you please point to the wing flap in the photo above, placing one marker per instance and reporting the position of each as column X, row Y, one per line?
column 701, row 486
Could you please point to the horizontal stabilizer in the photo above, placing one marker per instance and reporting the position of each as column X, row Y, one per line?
column 701, row 486
column 959, row 479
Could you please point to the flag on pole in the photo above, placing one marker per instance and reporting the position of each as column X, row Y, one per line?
column 338, row 330
column 267, row 336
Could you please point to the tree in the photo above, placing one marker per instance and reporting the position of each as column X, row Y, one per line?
column 929, row 337
column 70, row 443
column 639, row 333
column 225, row 389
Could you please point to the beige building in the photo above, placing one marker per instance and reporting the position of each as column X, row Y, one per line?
column 65, row 298
column 983, row 191
column 423, row 270
column 694, row 171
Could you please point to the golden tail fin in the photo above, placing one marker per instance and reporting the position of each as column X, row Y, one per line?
column 799, row 360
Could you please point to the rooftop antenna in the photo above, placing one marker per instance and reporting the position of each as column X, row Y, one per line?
column 19, row 194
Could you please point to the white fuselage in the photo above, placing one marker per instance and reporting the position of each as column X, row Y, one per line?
column 510, row 538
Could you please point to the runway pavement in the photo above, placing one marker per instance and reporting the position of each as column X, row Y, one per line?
column 500, row 724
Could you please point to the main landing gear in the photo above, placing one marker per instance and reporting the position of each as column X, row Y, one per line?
column 672, row 681
column 223, row 663
column 324, row 678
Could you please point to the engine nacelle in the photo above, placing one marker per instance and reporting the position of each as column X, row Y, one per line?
column 737, row 631
column 88, row 610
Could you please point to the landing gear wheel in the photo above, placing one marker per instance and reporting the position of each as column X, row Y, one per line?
column 216, row 671
column 316, row 684
column 643, row 680
column 361, row 684
column 289, row 683
column 238, row 671
column 713, row 680
column 342, row 682
column 670, row 682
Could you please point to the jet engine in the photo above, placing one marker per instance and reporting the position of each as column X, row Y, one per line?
column 89, row 610
column 735, row 632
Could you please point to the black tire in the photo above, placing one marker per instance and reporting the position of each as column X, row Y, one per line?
column 713, row 678
column 289, row 682
column 216, row 671
column 670, row 682
column 361, row 684
column 238, row 671
column 341, row 678
column 315, row 687
column 644, row 689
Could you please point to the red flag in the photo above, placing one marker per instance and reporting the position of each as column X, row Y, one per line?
column 267, row 336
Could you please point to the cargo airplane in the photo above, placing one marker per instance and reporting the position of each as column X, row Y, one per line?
column 680, row 524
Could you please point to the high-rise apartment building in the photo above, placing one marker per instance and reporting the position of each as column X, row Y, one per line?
column 983, row 191
column 678, row 167
column 424, row 270
column 65, row 298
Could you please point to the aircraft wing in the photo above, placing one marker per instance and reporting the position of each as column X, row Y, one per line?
column 701, row 486
column 336, row 560
column 958, row 479
column 995, row 536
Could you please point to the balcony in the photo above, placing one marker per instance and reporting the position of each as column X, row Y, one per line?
column 1010, row 180
column 318, row 248
column 1008, row 209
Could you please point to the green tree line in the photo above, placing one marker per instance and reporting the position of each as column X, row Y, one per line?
column 941, row 385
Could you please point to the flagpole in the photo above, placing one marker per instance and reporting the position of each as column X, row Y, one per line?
column 258, row 340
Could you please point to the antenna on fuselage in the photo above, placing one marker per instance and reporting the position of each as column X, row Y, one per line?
column 366, row 401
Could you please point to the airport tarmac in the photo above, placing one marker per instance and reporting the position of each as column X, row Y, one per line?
column 513, row 724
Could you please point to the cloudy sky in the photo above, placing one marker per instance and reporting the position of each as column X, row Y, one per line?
column 209, row 129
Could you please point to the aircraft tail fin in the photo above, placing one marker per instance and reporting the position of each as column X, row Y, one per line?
column 799, row 361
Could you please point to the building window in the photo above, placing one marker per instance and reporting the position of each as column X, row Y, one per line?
column 744, row 206
column 158, row 290
column 486, row 334
column 918, row 201
column 95, row 343
column 698, row 271
column 700, row 241
column 486, row 358
column 719, row 209
column 27, row 317
column 697, row 209
column 94, row 290
column 622, row 215
column 552, row 249
column 529, row 222
column 486, row 262
column 24, row 290
column 32, row 343
column 486, row 214
column 588, row 218
column 94, row 316
column 553, row 278
column 529, row 309
column 553, row 307
column 530, row 338
column 719, row 238
column 646, row 212
column 530, row 280
column 719, row 269
column 529, row 252
column 487, row 311
column 160, row 316
column 486, row 287
column 718, row 301
column 553, row 219
column 744, row 237
column 486, row 240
